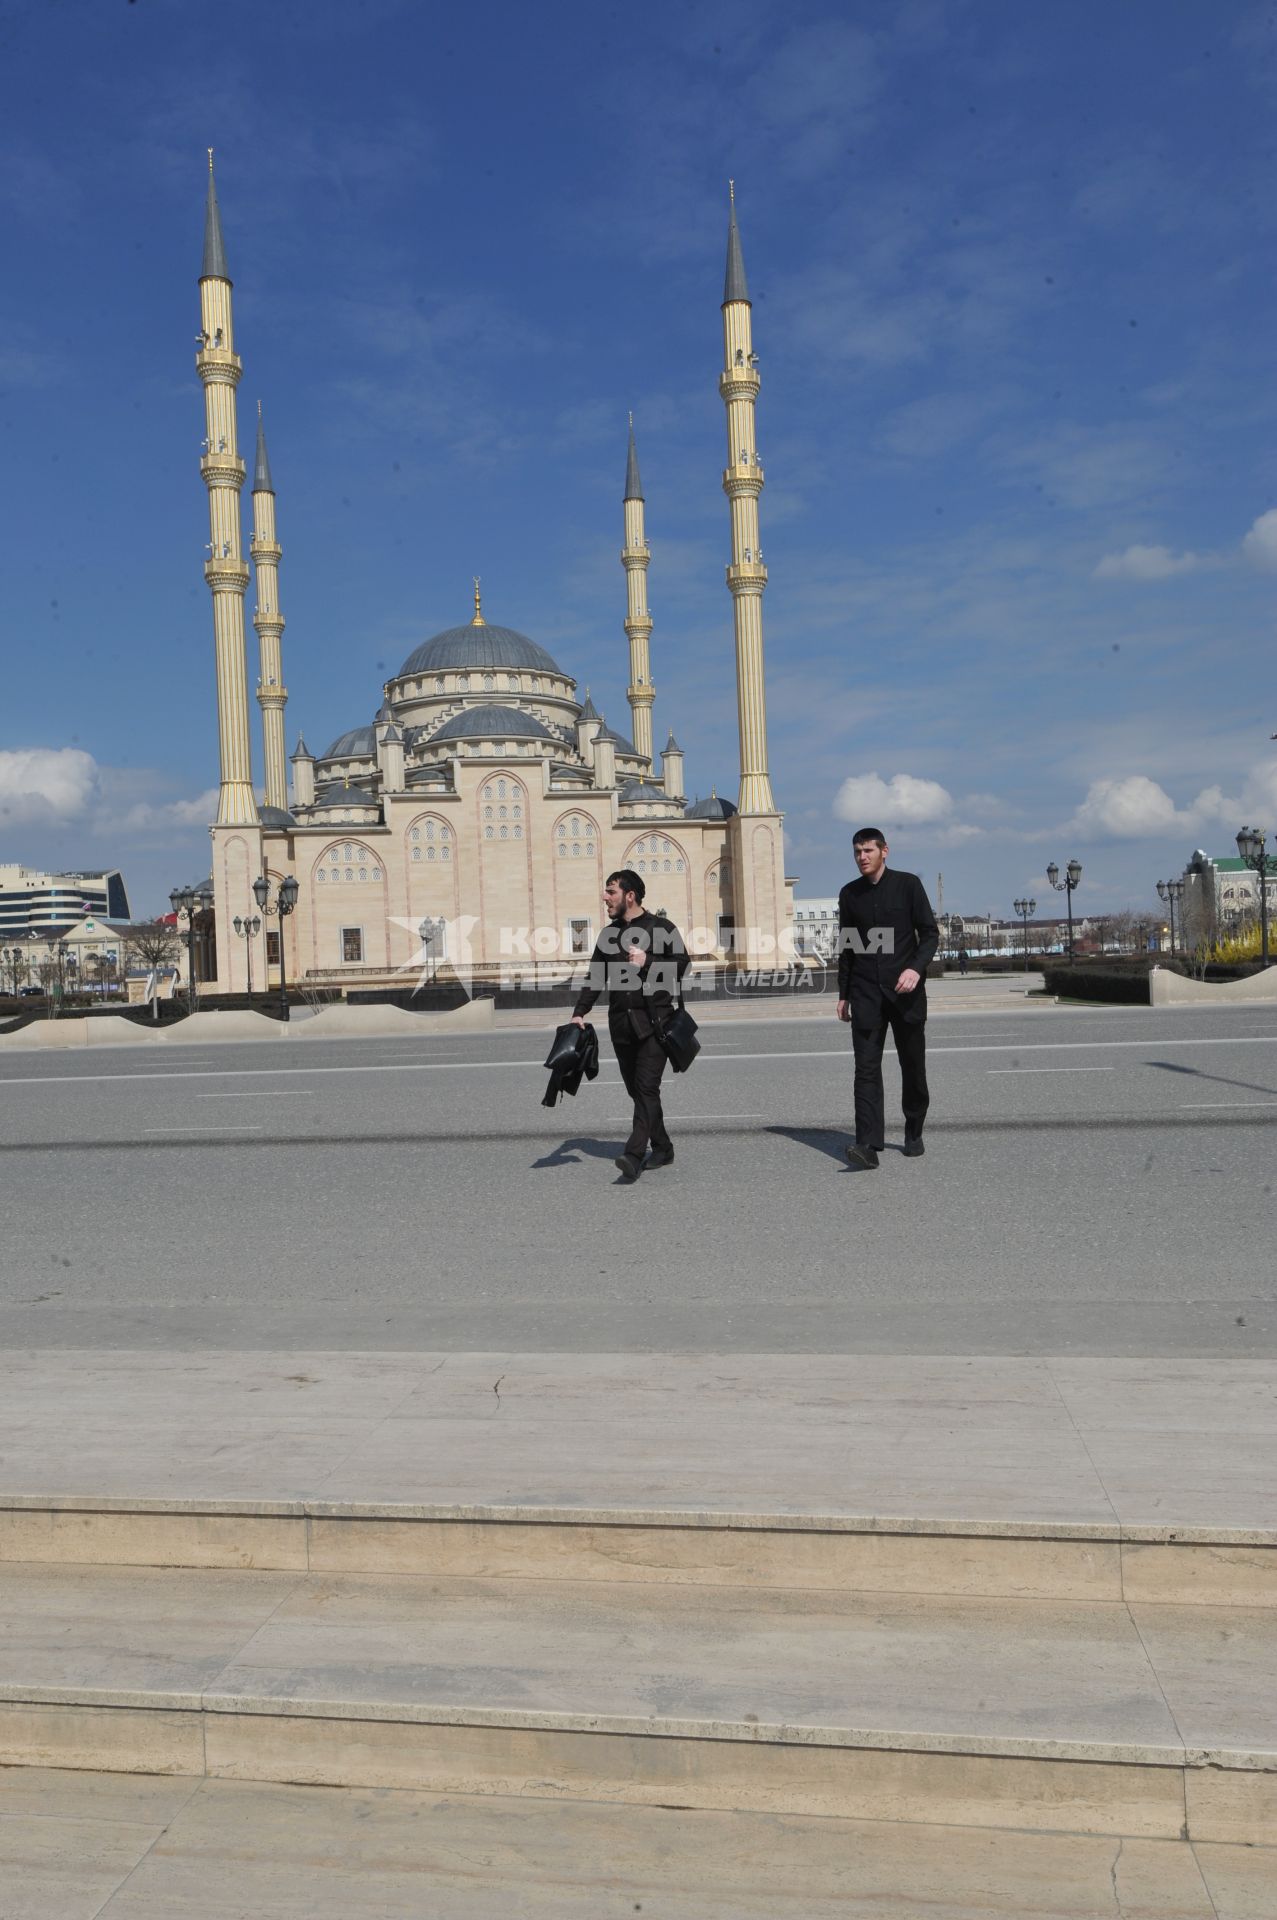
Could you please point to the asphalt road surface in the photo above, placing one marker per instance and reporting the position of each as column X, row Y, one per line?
column 1096, row 1181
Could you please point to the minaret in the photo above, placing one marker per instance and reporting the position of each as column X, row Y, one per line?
column 635, row 555
column 225, row 570
column 272, row 695
column 742, row 483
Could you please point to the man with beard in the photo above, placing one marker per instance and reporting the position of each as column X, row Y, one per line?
column 639, row 961
column 887, row 938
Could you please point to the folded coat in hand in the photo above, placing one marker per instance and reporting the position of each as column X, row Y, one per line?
column 574, row 1052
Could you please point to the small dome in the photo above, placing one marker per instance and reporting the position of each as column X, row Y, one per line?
column 349, row 746
column 712, row 809
column 338, row 795
column 493, row 723
column 474, row 647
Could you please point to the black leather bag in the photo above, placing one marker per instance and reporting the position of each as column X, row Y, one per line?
column 676, row 1035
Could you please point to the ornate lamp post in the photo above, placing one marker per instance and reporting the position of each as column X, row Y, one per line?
column 248, row 931
column 190, row 901
column 1072, row 877
column 58, row 951
column 279, row 908
column 1172, row 892
column 429, row 931
column 12, row 957
column 1250, row 845
column 1026, row 908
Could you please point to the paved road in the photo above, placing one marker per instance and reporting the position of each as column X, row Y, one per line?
column 1096, row 1181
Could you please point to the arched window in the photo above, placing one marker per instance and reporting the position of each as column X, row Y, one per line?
column 488, row 683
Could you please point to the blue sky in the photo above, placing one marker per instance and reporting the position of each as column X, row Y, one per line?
column 1012, row 271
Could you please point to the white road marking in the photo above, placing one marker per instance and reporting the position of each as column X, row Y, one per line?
column 837, row 1056
column 201, row 1129
column 1035, row 1070
column 260, row 1093
column 623, row 1119
column 1232, row 1104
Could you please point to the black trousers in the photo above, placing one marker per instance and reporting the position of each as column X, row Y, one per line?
column 642, row 1063
column 871, row 1019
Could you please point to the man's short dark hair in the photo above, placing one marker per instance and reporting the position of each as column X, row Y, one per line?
column 870, row 833
column 629, row 882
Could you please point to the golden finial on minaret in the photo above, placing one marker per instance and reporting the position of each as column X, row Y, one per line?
column 731, row 191
column 478, row 620
column 210, row 159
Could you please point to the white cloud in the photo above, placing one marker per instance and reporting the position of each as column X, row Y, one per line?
column 151, row 816
column 46, row 784
column 1152, row 563
column 1133, row 807
column 1127, row 809
column 1260, row 544
column 865, row 799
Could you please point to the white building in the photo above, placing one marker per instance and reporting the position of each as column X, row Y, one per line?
column 38, row 903
column 816, row 928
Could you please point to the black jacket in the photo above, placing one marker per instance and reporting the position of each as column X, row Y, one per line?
column 635, row 992
column 573, row 1056
column 882, row 929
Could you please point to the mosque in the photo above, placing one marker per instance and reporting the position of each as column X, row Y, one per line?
column 475, row 818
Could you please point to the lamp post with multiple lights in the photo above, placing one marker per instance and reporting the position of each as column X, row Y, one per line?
column 1072, row 877
column 190, row 901
column 278, row 909
column 1250, row 845
column 1172, row 892
column 429, row 931
column 1025, row 908
column 248, row 931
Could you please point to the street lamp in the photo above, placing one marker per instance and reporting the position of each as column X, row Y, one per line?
column 279, row 908
column 190, row 901
column 1172, row 892
column 248, row 930
column 1072, row 876
column 429, row 931
column 1250, row 845
column 1025, row 908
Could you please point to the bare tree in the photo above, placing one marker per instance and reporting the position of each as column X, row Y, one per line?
column 152, row 944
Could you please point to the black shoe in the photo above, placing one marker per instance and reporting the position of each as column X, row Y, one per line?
column 912, row 1148
column 629, row 1167
column 864, row 1159
column 659, row 1157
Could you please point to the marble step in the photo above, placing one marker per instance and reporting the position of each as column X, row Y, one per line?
column 1046, row 1559
column 1117, row 1717
column 99, row 1846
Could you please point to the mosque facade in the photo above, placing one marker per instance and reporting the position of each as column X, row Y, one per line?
column 474, row 820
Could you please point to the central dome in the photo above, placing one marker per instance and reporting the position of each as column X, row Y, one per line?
column 481, row 647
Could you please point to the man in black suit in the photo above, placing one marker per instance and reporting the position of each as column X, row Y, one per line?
column 887, row 938
column 639, row 960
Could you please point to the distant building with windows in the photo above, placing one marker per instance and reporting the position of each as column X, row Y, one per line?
column 816, row 928
column 37, row 903
column 1222, row 896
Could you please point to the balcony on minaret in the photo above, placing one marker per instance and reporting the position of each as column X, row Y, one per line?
column 633, row 555
column 219, row 363
column 744, row 574
column 265, row 549
column 739, row 383
column 221, row 469
column 743, row 477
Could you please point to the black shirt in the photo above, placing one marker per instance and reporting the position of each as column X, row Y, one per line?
column 634, row 990
column 884, row 927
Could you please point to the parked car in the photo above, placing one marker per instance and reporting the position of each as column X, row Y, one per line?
column 31, row 993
